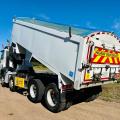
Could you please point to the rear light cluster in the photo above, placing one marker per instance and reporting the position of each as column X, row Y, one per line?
column 96, row 77
column 112, row 75
column 67, row 87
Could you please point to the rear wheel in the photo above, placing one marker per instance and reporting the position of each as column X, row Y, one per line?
column 35, row 90
column 52, row 98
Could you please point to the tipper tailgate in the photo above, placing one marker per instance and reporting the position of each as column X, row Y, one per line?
column 104, row 65
column 105, row 56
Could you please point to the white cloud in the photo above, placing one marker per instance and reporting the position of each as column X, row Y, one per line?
column 116, row 25
column 44, row 16
column 89, row 25
column 76, row 25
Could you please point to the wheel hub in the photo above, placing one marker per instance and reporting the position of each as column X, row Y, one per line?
column 33, row 91
column 11, row 84
column 51, row 97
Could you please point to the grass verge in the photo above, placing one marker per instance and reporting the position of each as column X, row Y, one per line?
column 111, row 92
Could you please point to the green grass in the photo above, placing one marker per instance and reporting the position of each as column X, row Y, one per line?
column 111, row 92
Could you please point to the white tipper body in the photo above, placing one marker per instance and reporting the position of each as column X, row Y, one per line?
column 63, row 54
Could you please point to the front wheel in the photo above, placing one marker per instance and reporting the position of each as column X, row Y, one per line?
column 11, row 85
column 3, row 84
column 52, row 98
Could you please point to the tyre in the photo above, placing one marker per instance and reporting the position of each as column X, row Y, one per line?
column 52, row 98
column 68, row 105
column 93, row 93
column 35, row 90
column 12, row 84
column 2, row 82
column 92, row 98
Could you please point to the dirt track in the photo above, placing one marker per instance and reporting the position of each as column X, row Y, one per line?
column 14, row 106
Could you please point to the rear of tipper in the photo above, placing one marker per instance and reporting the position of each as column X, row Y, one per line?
column 78, row 61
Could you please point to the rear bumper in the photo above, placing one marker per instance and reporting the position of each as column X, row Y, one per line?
column 93, row 84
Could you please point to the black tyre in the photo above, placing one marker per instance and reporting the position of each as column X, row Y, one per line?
column 93, row 97
column 3, row 84
column 68, row 105
column 52, row 98
column 12, row 84
column 3, row 73
column 35, row 90
column 93, row 93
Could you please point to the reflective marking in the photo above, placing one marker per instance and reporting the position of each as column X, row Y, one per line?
column 110, row 59
column 115, row 60
column 104, row 59
column 119, row 56
column 96, row 59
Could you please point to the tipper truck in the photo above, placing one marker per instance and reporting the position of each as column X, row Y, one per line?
column 80, row 60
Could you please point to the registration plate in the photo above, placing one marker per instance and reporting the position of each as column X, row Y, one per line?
column 87, row 76
column 19, row 82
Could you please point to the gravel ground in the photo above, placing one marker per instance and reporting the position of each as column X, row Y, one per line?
column 14, row 106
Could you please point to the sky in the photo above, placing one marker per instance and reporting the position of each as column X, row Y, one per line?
column 95, row 14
